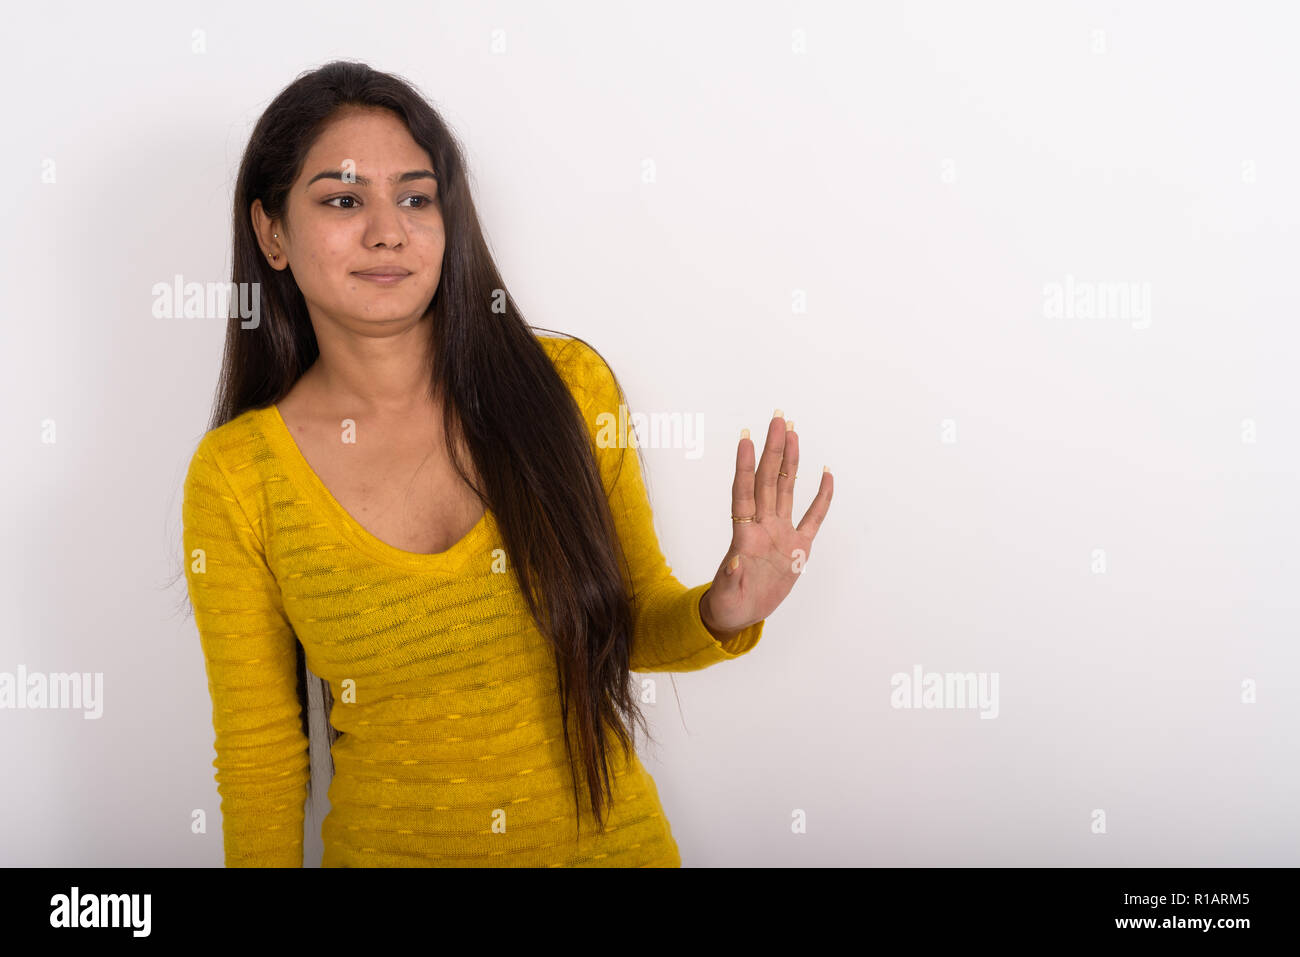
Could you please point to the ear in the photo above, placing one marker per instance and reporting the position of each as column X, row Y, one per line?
column 268, row 235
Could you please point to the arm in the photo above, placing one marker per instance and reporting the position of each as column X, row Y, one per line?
column 262, row 759
column 670, row 632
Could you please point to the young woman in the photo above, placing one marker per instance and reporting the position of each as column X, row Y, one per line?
column 407, row 490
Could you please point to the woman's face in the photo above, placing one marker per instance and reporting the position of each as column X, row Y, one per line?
column 389, row 216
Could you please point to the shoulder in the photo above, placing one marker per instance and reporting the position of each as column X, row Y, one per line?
column 230, row 442
column 586, row 372
column 226, row 466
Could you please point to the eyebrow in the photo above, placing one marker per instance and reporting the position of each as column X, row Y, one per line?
column 363, row 181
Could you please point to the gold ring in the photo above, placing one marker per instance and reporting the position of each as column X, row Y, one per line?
column 739, row 520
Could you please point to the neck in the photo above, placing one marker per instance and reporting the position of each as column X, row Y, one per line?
column 374, row 375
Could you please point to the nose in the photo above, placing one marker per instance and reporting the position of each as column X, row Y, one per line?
column 384, row 227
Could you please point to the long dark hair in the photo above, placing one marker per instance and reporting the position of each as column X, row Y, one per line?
column 495, row 381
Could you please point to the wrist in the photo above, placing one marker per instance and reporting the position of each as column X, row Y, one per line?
column 720, row 634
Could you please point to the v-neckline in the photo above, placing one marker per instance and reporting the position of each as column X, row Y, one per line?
column 281, row 439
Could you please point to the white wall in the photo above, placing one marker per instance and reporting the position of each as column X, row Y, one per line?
column 922, row 172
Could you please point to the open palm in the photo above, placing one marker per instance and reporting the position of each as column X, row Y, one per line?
column 767, row 554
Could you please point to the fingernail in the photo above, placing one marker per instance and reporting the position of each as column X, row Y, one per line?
column 789, row 425
column 778, row 414
column 826, row 468
column 735, row 562
column 744, row 433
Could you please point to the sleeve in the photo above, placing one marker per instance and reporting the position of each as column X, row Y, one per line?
column 668, row 634
column 263, row 762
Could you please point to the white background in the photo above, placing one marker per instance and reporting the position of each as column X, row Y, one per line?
column 920, row 173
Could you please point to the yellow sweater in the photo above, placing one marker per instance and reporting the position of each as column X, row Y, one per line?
column 451, row 750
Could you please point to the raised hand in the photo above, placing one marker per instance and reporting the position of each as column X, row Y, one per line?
column 768, row 553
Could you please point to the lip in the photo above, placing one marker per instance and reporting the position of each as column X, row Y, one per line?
column 384, row 275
